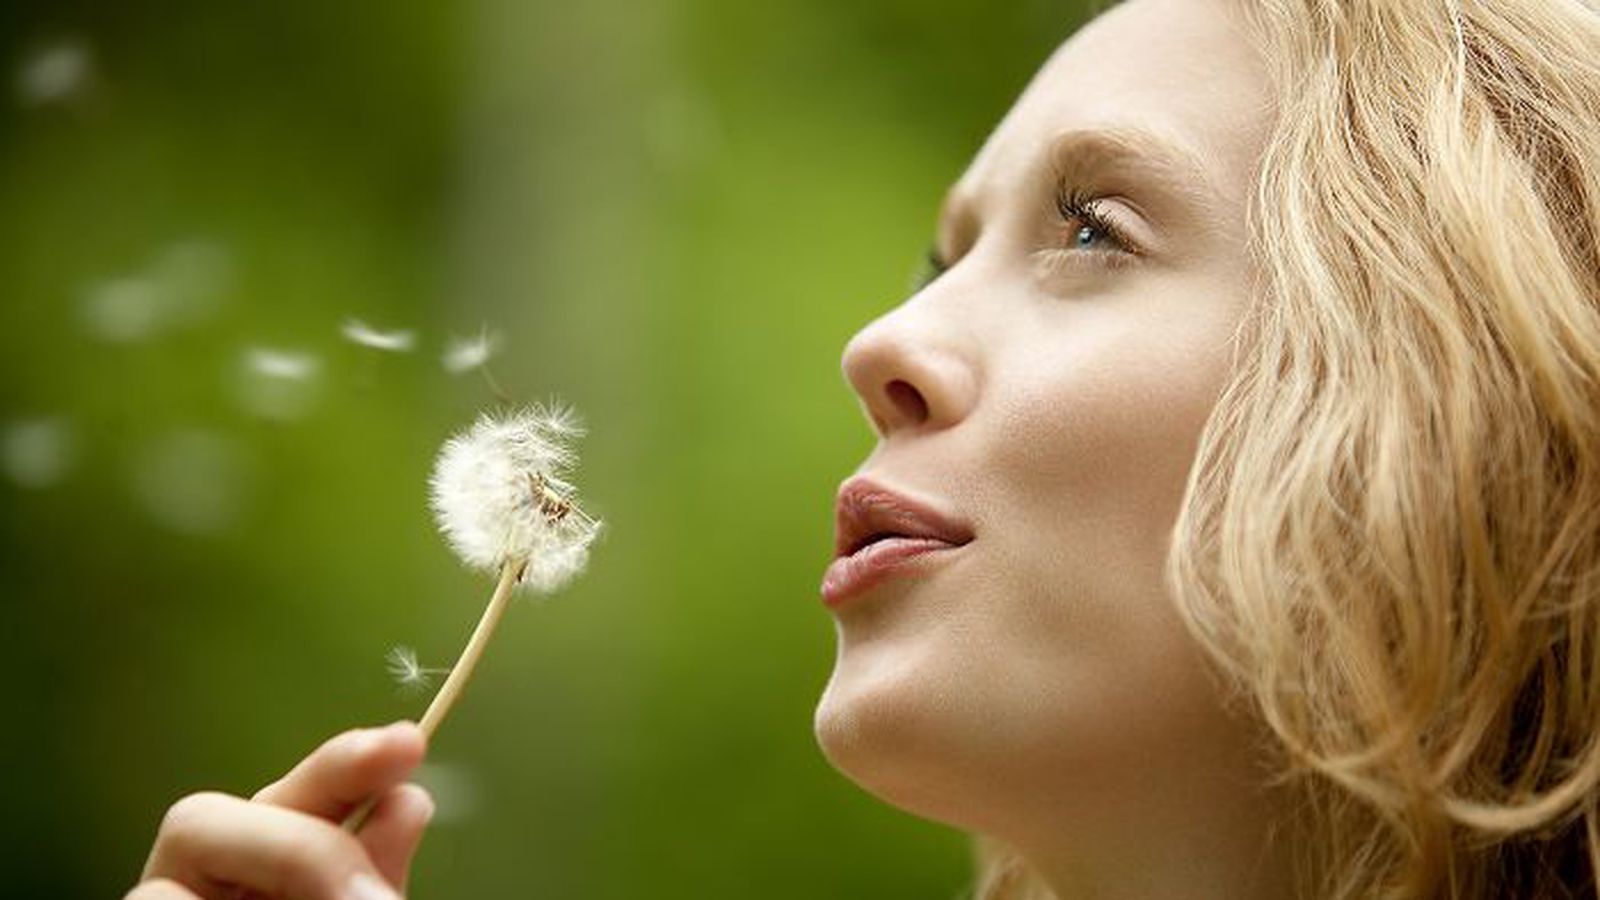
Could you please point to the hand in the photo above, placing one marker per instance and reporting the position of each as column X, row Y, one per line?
column 285, row 842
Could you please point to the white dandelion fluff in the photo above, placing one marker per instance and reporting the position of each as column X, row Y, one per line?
column 501, row 496
column 557, row 420
column 37, row 453
column 123, row 310
column 466, row 354
column 290, row 365
column 277, row 383
column 55, row 73
column 359, row 332
column 403, row 666
column 407, row 671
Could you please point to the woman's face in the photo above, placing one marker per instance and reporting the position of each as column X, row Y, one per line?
column 1049, row 389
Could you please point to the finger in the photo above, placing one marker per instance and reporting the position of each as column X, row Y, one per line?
column 349, row 767
column 392, row 834
column 161, row 889
column 208, row 839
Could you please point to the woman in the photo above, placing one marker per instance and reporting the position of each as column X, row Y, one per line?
column 1232, row 530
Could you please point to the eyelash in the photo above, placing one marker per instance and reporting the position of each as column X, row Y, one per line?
column 1075, row 204
column 1072, row 204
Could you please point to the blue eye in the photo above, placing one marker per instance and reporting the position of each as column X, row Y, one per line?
column 1078, row 207
column 1096, row 239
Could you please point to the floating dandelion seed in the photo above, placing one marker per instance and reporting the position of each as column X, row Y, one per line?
column 361, row 333
column 194, row 276
column 500, row 493
column 54, row 73
column 123, row 310
column 194, row 481
column 36, row 453
column 465, row 354
column 183, row 285
column 286, row 364
column 404, row 669
column 277, row 383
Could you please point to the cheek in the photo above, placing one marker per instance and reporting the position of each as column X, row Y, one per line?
column 1094, row 437
column 1094, row 433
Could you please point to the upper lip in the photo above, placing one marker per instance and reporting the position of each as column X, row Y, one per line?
column 866, row 511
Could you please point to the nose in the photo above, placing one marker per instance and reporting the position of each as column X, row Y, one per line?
column 911, row 371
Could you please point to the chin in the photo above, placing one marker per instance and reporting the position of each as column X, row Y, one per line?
column 885, row 731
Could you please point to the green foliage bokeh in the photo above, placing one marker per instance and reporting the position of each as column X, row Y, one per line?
column 673, row 214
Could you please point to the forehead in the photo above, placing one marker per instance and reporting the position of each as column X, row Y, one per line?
column 1180, row 73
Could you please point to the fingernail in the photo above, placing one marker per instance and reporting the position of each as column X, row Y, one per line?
column 363, row 886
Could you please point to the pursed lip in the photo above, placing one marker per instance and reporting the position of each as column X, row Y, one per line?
column 877, row 530
column 866, row 510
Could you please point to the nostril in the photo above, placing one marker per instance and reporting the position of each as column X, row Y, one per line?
column 907, row 401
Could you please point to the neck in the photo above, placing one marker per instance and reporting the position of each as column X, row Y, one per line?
column 1190, row 839
column 1199, row 864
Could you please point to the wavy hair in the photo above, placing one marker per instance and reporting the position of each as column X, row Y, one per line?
column 1390, row 541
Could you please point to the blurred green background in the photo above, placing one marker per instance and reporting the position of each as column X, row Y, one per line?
column 672, row 215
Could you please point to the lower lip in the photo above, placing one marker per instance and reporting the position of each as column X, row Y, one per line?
column 850, row 576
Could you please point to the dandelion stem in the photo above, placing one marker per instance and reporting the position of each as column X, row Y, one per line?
column 460, row 673
column 462, row 670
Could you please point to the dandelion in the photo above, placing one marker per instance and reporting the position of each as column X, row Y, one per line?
column 360, row 332
column 408, row 672
column 501, row 497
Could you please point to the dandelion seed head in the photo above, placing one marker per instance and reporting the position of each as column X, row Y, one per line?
column 500, row 494
column 465, row 354
column 360, row 332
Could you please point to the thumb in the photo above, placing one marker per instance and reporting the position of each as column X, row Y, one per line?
column 395, row 829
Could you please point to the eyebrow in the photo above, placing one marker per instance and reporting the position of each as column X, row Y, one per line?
column 1172, row 167
column 1172, row 162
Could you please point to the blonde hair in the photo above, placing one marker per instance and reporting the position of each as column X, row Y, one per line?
column 1390, row 544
